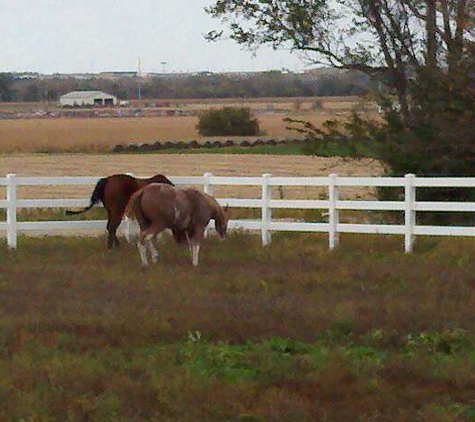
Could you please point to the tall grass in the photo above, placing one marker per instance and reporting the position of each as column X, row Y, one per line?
column 291, row 332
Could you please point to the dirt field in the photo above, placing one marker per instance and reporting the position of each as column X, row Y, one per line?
column 183, row 165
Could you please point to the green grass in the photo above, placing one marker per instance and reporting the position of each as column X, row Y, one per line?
column 287, row 149
column 291, row 332
column 331, row 150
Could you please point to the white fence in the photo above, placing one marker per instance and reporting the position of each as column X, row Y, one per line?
column 266, row 225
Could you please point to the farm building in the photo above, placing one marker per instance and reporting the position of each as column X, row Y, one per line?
column 87, row 98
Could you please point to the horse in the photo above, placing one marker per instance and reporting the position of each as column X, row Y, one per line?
column 114, row 192
column 186, row 211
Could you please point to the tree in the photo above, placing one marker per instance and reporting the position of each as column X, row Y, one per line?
column 422, row 50
column 7, row 92
column 391, row 40
column 32, row 93
column 228, row 121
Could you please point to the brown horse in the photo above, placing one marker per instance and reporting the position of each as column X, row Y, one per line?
column 186, row 211
column 115, row 192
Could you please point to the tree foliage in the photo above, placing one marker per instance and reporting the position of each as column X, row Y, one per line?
column 422, row 50
column 263, row 84
column 388, row 39
column 6, row 87
column 228, row 121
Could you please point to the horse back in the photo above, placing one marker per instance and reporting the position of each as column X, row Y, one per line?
column 161, row 202
column 119, row 189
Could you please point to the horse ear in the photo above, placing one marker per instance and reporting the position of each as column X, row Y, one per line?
column 226, row 208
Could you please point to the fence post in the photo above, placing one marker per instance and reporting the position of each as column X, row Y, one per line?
column 266, row 211
column 333, row 213
column 207, row 188
column 409, row 213
column 12, row 241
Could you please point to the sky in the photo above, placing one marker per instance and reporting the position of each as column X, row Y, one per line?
column 69, row 36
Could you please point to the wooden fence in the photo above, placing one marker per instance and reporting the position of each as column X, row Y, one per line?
column 266, row 203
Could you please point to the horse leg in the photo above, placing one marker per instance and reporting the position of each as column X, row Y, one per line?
column 110, row 240
column 188, row 240
column 194, row 243
column 145, row 242
column 128, row 229
column 195, row 254
column 153, row 251
column 193, row 251
column 142, row 252
column 112, row 226
column 159, row 237
column 117, row 212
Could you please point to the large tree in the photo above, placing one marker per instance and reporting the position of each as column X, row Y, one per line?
column 422, row 50
column 7, row 92
column 392, row 40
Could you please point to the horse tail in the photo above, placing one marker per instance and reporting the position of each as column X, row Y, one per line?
column 97, row 195
column 133, row 210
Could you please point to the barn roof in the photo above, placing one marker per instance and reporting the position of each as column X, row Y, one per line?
column 85, row 94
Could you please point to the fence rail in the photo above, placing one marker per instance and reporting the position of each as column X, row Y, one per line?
column 266, row 224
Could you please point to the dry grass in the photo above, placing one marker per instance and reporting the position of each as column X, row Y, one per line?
column 288, row 333
column 278, row 102
column 185, row 165
column 100, row 134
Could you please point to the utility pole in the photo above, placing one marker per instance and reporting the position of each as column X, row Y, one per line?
column 139, row 75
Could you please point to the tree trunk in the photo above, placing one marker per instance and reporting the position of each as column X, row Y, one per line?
column 431, row 60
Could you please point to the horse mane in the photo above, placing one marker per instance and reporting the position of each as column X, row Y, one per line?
column 160, row 178
column 217, row 212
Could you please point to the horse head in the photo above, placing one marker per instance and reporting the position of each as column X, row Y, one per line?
column 221, row 221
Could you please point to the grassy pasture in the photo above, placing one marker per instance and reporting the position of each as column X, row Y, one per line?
column 292, row 332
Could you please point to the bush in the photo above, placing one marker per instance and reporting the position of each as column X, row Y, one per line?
column 228, row 121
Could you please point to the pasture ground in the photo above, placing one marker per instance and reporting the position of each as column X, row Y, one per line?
column 291, row 332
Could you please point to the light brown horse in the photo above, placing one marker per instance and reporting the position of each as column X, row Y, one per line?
column 186, row 211
column 115, row 192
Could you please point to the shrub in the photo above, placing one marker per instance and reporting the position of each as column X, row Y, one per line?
column 228, row 121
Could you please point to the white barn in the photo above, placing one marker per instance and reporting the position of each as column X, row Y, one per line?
column 87, row 98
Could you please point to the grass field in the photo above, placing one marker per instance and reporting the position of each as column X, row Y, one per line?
column 184, row 165
column 101, row 134
column 292, row 332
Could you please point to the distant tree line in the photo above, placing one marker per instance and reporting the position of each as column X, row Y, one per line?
column 265, row 84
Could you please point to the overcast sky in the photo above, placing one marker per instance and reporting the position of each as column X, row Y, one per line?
column 99, row 35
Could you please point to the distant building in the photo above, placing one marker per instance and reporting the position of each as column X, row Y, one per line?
column 87, row 98
column 118, row 75
column 26, row 75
